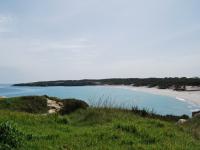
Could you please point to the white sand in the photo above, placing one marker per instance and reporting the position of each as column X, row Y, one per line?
column 189, row 96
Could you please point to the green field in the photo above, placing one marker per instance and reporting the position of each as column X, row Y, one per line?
column 92, row 129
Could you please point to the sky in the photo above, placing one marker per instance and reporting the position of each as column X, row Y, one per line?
column 43, row 40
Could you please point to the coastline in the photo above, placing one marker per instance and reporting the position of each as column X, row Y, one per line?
column 187, row 96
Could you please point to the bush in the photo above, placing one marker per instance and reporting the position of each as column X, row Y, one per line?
column 71, row 105
column 184, row 117
column 34, row 104
column 10, row 136
column 30, row 104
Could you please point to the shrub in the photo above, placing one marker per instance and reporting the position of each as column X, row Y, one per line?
column 10, row 136
column 30, row 104
column 34, row 104
column 71, row 105
column 184, row 117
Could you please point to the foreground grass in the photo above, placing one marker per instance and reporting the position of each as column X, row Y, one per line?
column 101, row 129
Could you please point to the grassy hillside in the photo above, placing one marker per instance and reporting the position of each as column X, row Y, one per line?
column 95, row 128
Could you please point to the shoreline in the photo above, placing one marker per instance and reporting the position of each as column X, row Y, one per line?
column 186, row 96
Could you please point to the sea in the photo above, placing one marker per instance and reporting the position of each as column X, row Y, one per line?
column 107, row 96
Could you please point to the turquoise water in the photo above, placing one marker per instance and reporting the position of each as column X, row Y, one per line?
column 95, row 95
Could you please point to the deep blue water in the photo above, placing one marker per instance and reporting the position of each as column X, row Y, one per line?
column 112, row 96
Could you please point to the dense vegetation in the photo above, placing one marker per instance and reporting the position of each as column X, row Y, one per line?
column 71, row 105
column 30, row 104
column 175, row 83
column 93, row 128
column 38, row 104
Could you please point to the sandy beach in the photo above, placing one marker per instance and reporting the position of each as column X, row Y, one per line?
column 189, row 96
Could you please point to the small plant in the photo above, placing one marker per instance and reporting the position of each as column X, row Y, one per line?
column 10, row 136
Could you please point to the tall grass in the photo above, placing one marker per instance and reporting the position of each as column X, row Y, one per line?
column 99, row 128
column 110, row 104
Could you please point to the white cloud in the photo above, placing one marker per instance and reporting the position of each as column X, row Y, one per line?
column 74, row 46
column 5, row 21
column 37, row 51
column 98, row 39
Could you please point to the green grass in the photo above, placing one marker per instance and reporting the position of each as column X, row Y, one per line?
column 99, row 129
column 94, row 129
